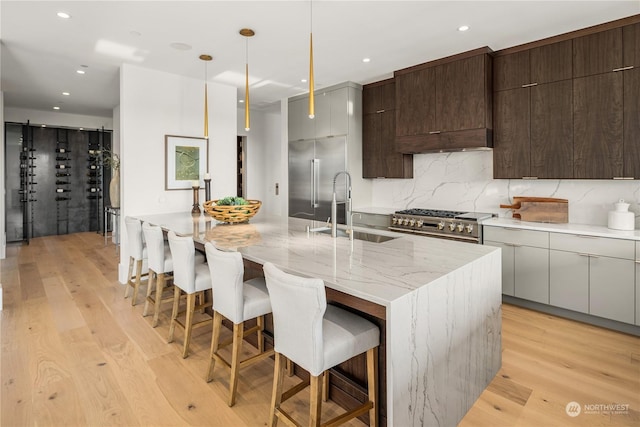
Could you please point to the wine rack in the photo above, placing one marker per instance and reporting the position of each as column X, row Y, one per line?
column 63, row 189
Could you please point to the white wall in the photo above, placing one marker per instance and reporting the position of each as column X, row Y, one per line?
column 264, row 164
column 463, row 181
column 154, row 104
column 57, row 119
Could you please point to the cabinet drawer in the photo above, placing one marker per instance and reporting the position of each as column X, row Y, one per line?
column 516, row 236
column 615, row 248
column 370, row 220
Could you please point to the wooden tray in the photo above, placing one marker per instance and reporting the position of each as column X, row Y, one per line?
column 540, row 209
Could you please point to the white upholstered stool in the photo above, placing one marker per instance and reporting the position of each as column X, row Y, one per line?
column 190, row 277
column 160, row 268
column 238, row 301
column 317, row 337
column 137, row 257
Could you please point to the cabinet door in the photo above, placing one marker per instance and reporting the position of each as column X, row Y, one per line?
column 631, row 45
column 415, row 102
column 378, row 97
column 597, row 126
column 322, row 117
column 569, row 280
column 637, row 262
column 511, row 71
column 460, row 95
column 551, row 63
column 380, row 160
column 632, row 122
column 532, row 274
column 511, row 127
column 508, row 275
column 339, row 100
column 597, row 53
column 552, row 130
column 371, row 145
column 612, row 288
column 299, row 124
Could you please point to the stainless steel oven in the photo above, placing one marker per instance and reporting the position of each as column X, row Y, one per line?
column 460, row 226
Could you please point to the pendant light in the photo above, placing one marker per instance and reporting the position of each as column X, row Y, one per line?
column 246, row 32
column 206, row 58
column 312, row 106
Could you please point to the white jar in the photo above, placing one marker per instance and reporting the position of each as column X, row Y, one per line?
column 621, row 218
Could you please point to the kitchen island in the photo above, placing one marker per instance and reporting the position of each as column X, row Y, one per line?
column 439, row 302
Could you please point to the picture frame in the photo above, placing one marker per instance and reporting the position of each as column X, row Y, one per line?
column 186, row 160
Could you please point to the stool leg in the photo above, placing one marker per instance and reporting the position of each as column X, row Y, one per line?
column 276, row 393
column 260, row 321
column 188, row 324
column 372, row 384
column 129, row 275
column 174, row 313
column 238, row 333
column 136, row 285
column 215, row 343
column 160, row 281
column 152, row 279
column 315, row 402
column 325, row 386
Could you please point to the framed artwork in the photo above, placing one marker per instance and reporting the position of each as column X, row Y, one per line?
column 186, row 160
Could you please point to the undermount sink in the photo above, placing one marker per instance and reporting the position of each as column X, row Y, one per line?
column 358, row 235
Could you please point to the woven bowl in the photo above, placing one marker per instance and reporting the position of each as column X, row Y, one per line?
column 232, row 214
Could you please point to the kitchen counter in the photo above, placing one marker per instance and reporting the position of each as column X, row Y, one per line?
column 441, row 302
column 569, row 228
column 376, row 210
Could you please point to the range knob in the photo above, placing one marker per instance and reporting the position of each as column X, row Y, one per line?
column 441, row 225
column 419, row 223
column 412, row 222
column 452, row 227
column 469, row 228
column 405, row 221
column 394, row 220
column 460, row 228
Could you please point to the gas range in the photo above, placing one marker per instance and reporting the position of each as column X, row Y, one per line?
column 453, row 225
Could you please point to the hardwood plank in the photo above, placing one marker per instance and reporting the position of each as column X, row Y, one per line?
column 64, row 311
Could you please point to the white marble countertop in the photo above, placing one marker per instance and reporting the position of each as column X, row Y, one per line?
column 583, row 229
column 376, row 272
column 376, row 210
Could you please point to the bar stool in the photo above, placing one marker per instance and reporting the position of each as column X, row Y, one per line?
column 238, row 301
column 137, row 257
column 317, row 337
column 160, row 269
column 189, row 277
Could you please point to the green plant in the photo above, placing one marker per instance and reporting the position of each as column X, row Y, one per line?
column 232, row 201
column 109, row 158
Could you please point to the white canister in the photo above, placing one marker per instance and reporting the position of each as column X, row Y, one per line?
column 621, row 218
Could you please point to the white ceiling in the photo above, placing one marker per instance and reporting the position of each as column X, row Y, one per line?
column 41, row 52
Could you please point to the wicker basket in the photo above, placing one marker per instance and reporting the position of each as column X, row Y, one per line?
column 232, row 214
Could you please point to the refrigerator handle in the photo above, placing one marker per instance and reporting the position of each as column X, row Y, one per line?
column 315, row 173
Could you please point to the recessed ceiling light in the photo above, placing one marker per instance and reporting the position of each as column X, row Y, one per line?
column 303, row 80
column 66, row 93
column 463, row 28
column 63, row 15
column 81, row 129
column 366, row 59
column 80, row 71
column 43, row 126
column 56, row 108
column 241, row 101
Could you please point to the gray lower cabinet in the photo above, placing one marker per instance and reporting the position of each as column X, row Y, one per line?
column 593, row 275
column 525, row 261
column 638, row 283
column 569, row 280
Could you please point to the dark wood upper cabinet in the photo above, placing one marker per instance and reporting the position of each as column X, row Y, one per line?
column 598, row 126
column 597, row 53
column 631, row 45
column 511, row 71
column 551, row 63
column 511, row 149
column 445, row 104
column 632, row 123
column 379, row 158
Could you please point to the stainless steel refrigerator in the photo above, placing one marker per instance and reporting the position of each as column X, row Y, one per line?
column 312, row 167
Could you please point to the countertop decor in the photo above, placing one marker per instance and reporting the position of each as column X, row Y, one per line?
column 232, row 213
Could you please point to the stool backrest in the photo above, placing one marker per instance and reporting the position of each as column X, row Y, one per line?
column 227, row 277
column 298, row 306
column 135, row 244
column 155, row 247
column 183, row 253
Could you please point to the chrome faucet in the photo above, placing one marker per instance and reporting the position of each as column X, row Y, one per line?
column 334, row 204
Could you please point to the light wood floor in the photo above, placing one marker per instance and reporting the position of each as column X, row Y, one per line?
column 75, row 353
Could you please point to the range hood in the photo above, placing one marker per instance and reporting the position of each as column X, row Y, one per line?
column 462, row 140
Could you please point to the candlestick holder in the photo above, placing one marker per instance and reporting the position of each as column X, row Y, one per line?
column 207, row 189
column 196, row 200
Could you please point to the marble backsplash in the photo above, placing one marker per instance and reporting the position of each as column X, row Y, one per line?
column 464, row 181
